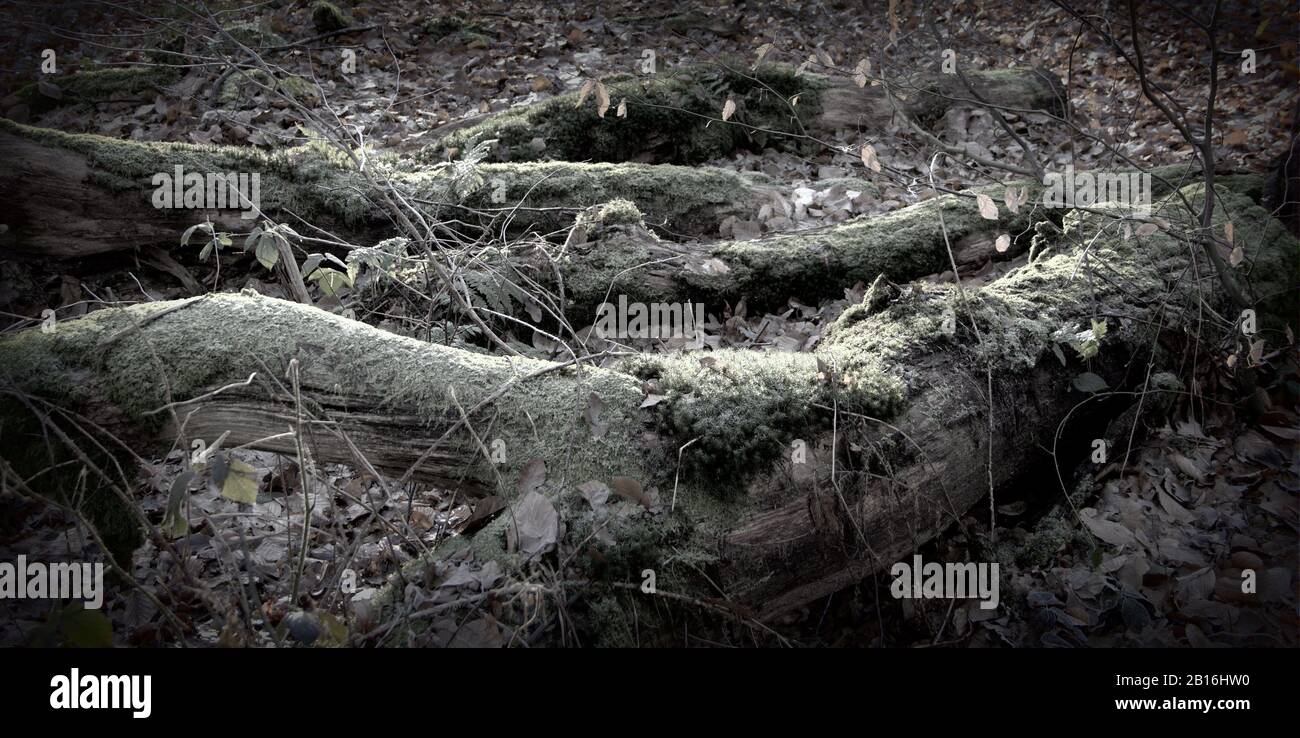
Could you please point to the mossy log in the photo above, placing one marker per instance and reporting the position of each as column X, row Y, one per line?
column 675, row 116
column 113, row 84
column 74, row 196
column 78, row 195
column 893, row 409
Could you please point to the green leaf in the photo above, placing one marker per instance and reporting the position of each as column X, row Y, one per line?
column 267, row 253
column 174, row 523
column 1098, row 329
column 330, row 280
column 86, row 628
column 185, row 237
column 241, row 483
column 309, row 266
column 1090, row 383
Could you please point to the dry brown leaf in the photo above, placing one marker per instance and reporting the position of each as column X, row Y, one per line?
column 587, row 87
column 988, row 208
column 869, row 158
column 602, row 99
column 728, row 109
column 1236, row 256
column 629, row 489
column 532, row 476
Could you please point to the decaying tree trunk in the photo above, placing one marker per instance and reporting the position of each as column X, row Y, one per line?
column 894, row 409
column 74, row 196
column 676, row 116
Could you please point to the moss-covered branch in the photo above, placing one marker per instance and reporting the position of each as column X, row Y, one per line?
column 114, row 84
column 54, row 179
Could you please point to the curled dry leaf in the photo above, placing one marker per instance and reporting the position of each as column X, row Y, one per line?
column 861, row 71
column 1002, row 244
column 587, row 87
column 652, row 400
column 532, row 476
column 602, row 99
column 869, row 158
column 988, row 208
column 1256, row 353
column 622, row 108
column 728, row 109
column 1236, row 256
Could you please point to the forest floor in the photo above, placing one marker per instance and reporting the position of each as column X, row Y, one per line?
column 1092, row 557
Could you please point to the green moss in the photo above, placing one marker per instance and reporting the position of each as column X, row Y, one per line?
column 850, row 183
column 613, row 213
column 669, row 114
column 212, row 342
column 743, row 409
column 252, row 33
column 100, row 85
column 902, row 245
column 676, row 199
column 327, row 17
column 1012, row 87
column 245, row 84
column 311, row 180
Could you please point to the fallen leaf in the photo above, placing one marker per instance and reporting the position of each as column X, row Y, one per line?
column 1002, row 244
column 587, row 87
column 869, row 158
column 1107, row 530
column 1089, row 382
column 629, row 489
column 651, row 400
column 728, row 109
column 1236, row 256
column 592, row 415
column 535, row 525
column 532, row 477
column 602, row 99
column 988, row 208
column 241, row 483
column 595, row 493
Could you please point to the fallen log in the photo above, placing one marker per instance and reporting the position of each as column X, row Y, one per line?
column 902, row 435
column 676, row 117
column 78, row 195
